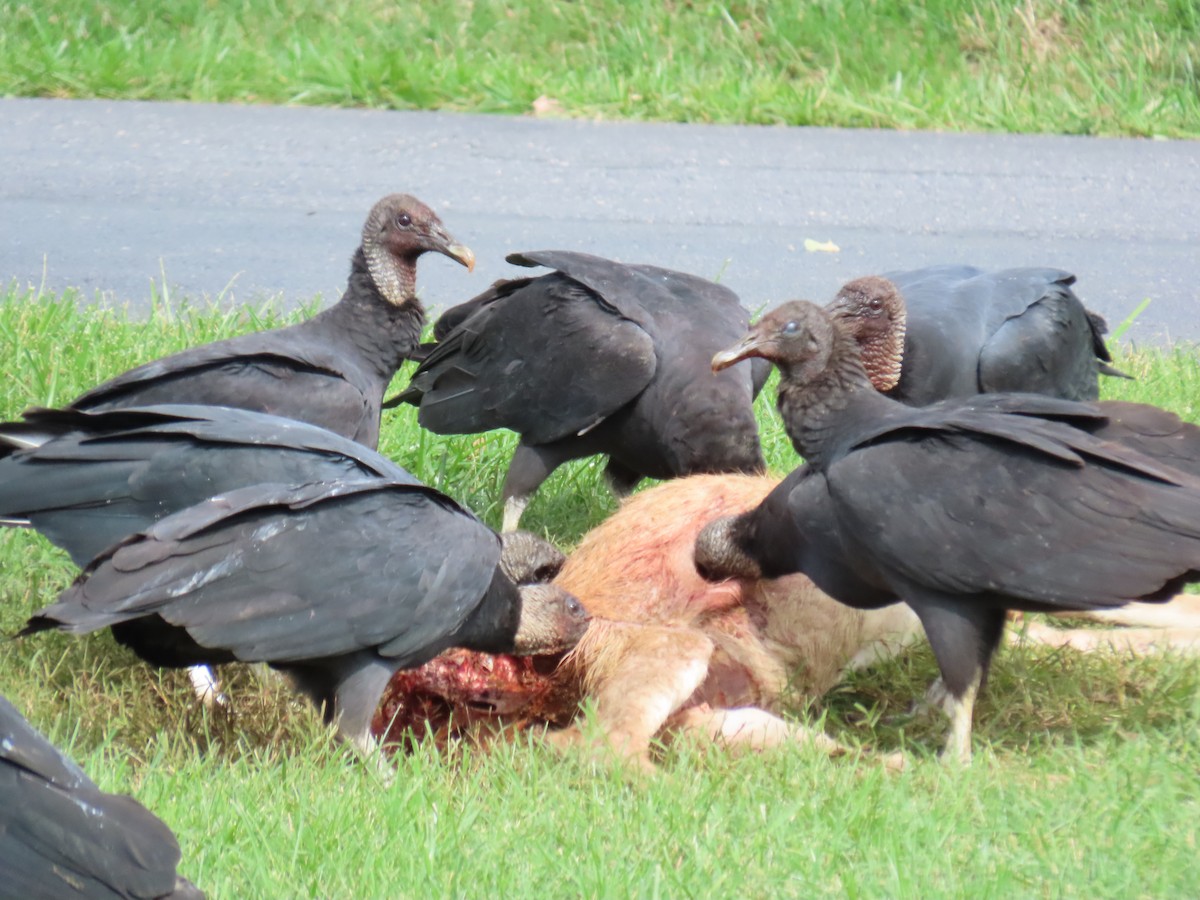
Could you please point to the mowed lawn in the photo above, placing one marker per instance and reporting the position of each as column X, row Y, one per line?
column 1065, row 66
column 1086, row 781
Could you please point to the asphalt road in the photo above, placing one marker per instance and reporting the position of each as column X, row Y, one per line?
column 244, row 202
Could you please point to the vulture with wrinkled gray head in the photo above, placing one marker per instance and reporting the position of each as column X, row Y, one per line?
column 338, row 584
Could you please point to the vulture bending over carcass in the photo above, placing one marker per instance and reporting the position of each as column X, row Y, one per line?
column 331, row 370
column 596, row 357
column 61, row 836
column 976, row 332
column 964, row 509
column 338, row 584
column 667, row 653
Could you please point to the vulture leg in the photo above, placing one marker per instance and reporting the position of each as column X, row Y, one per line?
column 207, row 687
column 346, row 690
column 963, row 639
column 621, row 479
column 530, row 466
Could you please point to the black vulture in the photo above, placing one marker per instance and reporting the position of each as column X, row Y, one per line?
column 596, row 357
column 875, row 313
column 86, row 479
column 61, row 836
column 963, row 509
column 330, row 370
column 337, row 584
column 971, row 331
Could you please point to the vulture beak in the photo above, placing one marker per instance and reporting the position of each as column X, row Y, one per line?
column 462, row 254
column 748, row 346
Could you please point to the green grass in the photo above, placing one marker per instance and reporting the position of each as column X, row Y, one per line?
column 1086, row 781
column 1066, row 66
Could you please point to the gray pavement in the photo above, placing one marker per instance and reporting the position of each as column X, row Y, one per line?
column 242, row 202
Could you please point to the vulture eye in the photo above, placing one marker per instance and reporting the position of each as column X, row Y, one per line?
column 791, row 328
column 404, row 220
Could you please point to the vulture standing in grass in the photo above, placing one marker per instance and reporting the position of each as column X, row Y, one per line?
column 976, row 332
column 964, row 509
column 875, row 313
column 331, row 370
column 61, row 836
column 338, row 584
column 596, row 357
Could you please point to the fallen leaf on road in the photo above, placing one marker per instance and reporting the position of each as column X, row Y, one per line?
column 818, row 247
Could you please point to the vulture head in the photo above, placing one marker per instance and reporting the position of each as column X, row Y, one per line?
column 798, row 337
column 872, row 311
column 717, row 555
column 399, row 229
column 552, row 619
column 529, row 559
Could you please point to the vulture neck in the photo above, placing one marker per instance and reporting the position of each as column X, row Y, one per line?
column 821, row 411
column 379, row 313
column 493, row 625
column 883, row 356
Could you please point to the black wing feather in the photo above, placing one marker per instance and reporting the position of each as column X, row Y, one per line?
column 284, row 574
column 585, row 361
column 60, row 835
column 90, row 478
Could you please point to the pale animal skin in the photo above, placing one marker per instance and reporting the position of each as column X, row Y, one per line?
column 668, row 652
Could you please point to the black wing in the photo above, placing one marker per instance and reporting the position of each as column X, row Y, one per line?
column 60, row 835
column 1017, row 508
column 547, row 360
column 286, row 372
column 642, row 293
column 1155, row 432
column 1011, row 330
column 284, row 574
column 87, row 479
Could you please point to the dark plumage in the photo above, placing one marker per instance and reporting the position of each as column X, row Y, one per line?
column 596, row 357
column 61, row 836
column 874, row 312
column 964, row 509
column 87, row 479
column 339, row 584
column 974, row 332
column 331, row 370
